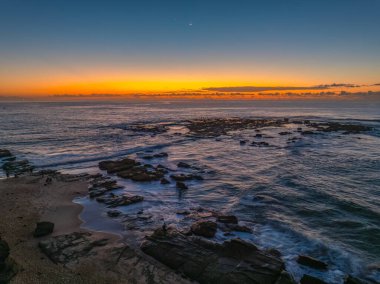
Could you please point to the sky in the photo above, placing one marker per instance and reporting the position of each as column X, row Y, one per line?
column 244, row 47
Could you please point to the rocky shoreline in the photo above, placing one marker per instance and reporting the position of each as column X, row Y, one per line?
column 42, row 242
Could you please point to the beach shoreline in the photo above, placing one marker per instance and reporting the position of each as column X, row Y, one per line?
column 27, row 200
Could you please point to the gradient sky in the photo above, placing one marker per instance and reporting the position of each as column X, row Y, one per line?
column 123, row 47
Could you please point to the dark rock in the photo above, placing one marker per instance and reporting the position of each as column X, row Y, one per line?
column 5, row 153
column 181, row 185
column 308, row 279
column 161, row 155
column 284, row 133
column 227, row 219
column 258, row 135
column 113, row 200
column 97, row 192
column 147, row 157
column 113, row 213
column 243, row 142
column 117, row 166
column 68, row 248
column 17, row 167
column 352, row 280
column 8, row 268
column 4, row 251
column 43, row 229
column 285, row 278
column 183, row 165
column 239, row 228
column 259, row 144
column 307, row 132
column 233, row 262
column 183, row 212
column 204, row 228
column 183, row 177
column 164, row 181
column 311, row 262
column 274, row 252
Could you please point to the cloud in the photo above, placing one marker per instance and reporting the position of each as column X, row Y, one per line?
column 335, row 85
column 252, row 89
column 86, row 96
column 260, row 89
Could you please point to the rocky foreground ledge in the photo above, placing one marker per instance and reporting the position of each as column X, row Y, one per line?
column 234, row 261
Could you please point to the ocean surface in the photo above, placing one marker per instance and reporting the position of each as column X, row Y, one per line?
column 319, row 196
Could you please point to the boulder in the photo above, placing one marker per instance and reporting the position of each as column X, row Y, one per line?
column 204, row 228
column 232, row 262
column 43, row 229
column 308, row 279
column 311, row 262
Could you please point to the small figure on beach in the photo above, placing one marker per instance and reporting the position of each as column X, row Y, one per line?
column 48, row 181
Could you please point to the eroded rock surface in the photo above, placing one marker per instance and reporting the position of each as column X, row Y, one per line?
column 234, row 261
column 69, row 248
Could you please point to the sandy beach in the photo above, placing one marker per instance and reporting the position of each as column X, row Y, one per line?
column 27, row 200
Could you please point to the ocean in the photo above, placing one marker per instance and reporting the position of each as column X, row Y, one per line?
column 318, row 196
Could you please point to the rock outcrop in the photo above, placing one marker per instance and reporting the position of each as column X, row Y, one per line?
column 69, row 248
column 234, row 261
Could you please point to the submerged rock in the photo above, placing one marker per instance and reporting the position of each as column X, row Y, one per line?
column 43, row 229
column 113, row 213
column 311, row 262
column 233, row 262
column 204, row 228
